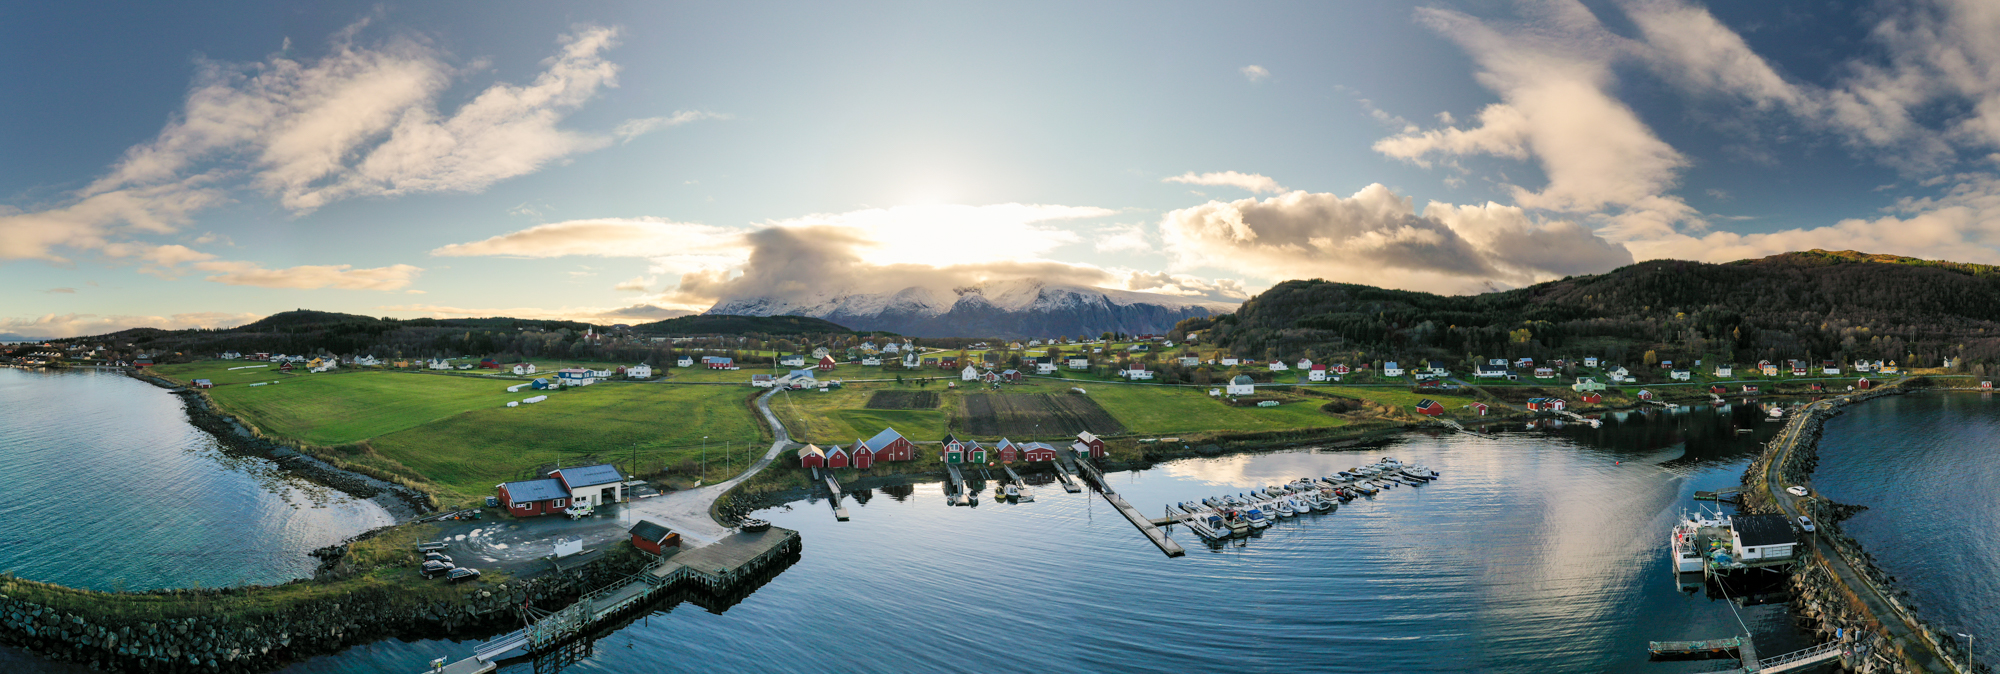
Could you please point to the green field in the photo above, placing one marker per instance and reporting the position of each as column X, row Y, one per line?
column 345, row 405
column 841, row 416
column 665, row 425
column 1153, row 410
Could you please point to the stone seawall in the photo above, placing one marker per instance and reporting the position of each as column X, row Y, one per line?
column 105, row 638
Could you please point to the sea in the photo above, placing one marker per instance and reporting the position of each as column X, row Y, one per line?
column 1542, row 548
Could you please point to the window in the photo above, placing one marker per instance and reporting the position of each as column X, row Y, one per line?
column 558, row 503
column 524, row 506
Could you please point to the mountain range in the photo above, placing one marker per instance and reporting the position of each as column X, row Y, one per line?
column 1003, row 309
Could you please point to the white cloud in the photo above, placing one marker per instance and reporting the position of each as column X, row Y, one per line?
column 635, row 128
column 49, row 326
column 1378, row 238
column 637, row 284
column 607, row 237
column 1256, row 73
column 1126, row 238
column 1962, row 225
column 638, row 313
column 1185, row 285
column 1247, row 181
column 310, row 277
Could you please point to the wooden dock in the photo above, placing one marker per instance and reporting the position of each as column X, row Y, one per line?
column 1142, row 522
column 833, row 486
column 1705, row 649
column 1067, row 477
column 957, row 484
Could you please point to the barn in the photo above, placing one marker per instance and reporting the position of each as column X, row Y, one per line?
column 1430, row 407
column 1092, row 442
column 654, row 538
column 533, row 497
column 811, row 456
column 889, row 445
column 1036, row 452
column 826, row 362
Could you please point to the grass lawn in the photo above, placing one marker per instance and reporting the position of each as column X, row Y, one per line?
column 1152, row 410
column 469, row 453
column 841, row 416
column 343, row 407
column 220, row 372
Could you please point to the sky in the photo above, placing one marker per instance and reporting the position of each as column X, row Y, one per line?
column 178, row 166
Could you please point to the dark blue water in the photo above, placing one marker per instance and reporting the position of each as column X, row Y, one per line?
column 106, row 486
column 1540, row 551
column 1928, row 468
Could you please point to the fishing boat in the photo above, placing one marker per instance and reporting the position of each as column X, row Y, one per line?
column 1257, row 518
column 1013, row 493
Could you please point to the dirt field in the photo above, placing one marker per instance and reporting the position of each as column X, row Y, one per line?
column 903, row 400
column 1033, row 414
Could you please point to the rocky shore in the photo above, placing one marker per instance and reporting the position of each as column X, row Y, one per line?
column 111, row 631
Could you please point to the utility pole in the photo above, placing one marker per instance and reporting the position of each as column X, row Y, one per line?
column 704, row 457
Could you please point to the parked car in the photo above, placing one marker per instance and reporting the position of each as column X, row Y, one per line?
column 436, row 569
column 437, row 557
column 1805, row 524
column 1796, row 490
column 579, row 510
column 461, row 575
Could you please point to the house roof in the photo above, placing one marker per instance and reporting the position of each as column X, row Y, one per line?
column 1036, row 445
column 1086, row 436
column 834, row 449
column 1762, row 530
column 1242, row 379
column 811, row 450
column 647, row 530
column 882, row 439
column 585, row 476
column 535, row 490
column 807, row 374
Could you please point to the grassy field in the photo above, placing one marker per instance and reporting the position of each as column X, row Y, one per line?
column 469, row 453
column 840, row 416
column 348, row 406
column 1152, row 410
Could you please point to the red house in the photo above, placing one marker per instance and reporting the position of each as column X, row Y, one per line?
column 1546, row 404
column 826, row 363
column 1006, row 451
column 863, row 456
column 1864, row 384
column 1481, row 407
column 721, row 363
column 489, row 364
column 1645, row 394
column 203, row 383
column 951, row 450
column 948, row 364
column 1817, row 387
column 889, row 445
column 1752, row 389
column 811, row 456
column 1093, row 445
column 1034, row 452
column 1429, row 407
column 1592, row 398
column 534, row 497
column 1718, row 390
column 654, row 538
column 836, row 457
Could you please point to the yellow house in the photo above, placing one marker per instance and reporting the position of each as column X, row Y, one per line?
column 1889, row 368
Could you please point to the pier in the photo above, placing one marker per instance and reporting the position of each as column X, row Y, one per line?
column 833, row 488
column 1744, row 649
column 714, row 567
column 1143, row 523
column 957, row 484
column 1068, row 478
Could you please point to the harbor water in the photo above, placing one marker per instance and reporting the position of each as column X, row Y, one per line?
column 1539, row 550
column 1924, row 465
column 107, row 487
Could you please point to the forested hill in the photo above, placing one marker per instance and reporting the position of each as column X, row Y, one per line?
column 1812, row 305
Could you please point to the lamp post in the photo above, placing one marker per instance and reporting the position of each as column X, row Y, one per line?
column 1971, row 655
column 704, row 457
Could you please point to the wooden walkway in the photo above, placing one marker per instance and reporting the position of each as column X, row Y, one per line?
column 1143, row 523
column 833, row 487
column 957, row 484
column 1067, row 477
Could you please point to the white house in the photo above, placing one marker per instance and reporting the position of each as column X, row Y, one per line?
column 1590, row 361
column 1494, row 369
column 1619, row 374
column 1318, row 373
column 800, row 379
column 1829, row 367
column 1241, row 385
column 970, row 373
column 763, row 380
column 1497, row 362
column 1391, row 369
column 1305, row 364
column 684, row 361
column 871, row 361
column 1863, row 366
column 1279, row 366
column 439, row 365
column 793, row 360
column 600, row 374
column 1137, row 372
column 1681, row 375
column 1045, row 368
column 1725, row 371
column 820, row 352
column 1545, row 373
column 1079, row 363
column 524, row 368
column 366, row 361
column 1230, row 362
column 640, row 371
column 231, row 355
column 1190, row 361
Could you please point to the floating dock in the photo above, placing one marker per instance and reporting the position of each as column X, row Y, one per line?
column 957, row 484
column 1143, row 523
column 833, row 487
column 1067, row 477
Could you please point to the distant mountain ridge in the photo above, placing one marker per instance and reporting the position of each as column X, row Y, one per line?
column 720, row 324
column 1003, row 309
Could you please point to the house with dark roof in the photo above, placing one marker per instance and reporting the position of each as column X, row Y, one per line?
column 597, row 485
column 654, row 538
column 529, row 498
column 1754, row 538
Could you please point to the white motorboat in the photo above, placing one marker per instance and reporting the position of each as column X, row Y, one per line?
column 1257, row 518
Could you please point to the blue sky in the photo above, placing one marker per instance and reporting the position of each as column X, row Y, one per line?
column 185, row 166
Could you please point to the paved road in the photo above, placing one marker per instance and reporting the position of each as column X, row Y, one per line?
column 686, row 511
column 1918, row 651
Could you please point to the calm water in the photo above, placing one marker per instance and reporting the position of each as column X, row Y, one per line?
column 1540, row 551
column 107, row 486
column 1925, row 465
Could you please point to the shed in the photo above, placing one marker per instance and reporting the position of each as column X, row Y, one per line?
column 203, row 383
column 654, row 538
column 837, row 457
column 1762, row 537
column 1094, row 446
column 599, row 484
column 811, row 456
column 1035, row 452
column 1429, row 407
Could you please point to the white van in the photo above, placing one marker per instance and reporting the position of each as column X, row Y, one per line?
column 579, row 509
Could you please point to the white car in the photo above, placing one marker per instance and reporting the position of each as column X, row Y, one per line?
column 1805, row 524
column 579, row 509
column 1796, row 491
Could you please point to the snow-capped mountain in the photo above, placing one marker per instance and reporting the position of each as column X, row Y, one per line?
column 1021, row 308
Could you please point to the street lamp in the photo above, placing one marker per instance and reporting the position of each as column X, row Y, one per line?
column 1970, row 655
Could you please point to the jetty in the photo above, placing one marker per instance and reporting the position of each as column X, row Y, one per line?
column 715, row 567
column 1140, row 521
column 1744, row 649
column 1068, row 477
